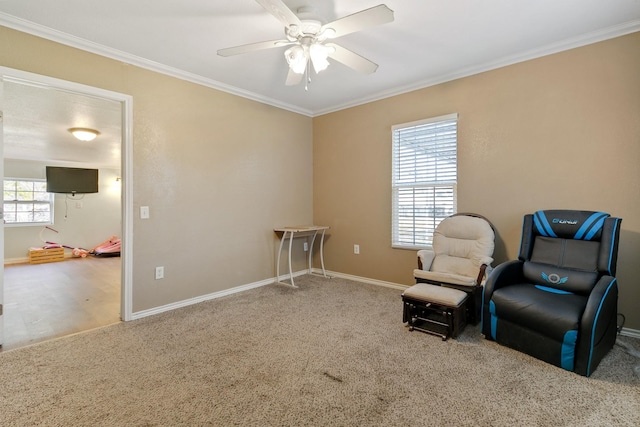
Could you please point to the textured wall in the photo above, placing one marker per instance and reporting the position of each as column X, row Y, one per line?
column 218, row 172
column 556, row 132
column 562, row 131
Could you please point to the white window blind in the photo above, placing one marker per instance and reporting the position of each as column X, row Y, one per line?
column 424, row 179
column 26, row 202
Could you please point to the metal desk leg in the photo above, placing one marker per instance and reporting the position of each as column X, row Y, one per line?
column 322, row 253
column 284, row 235
column 290, row 270
column 311, row 249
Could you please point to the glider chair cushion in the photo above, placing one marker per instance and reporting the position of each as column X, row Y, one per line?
column 461, row 258
column 558, row 301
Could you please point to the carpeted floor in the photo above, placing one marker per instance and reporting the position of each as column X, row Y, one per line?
column 331, row 353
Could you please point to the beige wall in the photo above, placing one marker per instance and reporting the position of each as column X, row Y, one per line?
column 218, row 172
column 556, row 132
column 561, row 131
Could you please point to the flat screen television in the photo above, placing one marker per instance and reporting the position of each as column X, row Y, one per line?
column 71, row 180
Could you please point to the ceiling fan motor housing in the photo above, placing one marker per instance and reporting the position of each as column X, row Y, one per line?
column 308, row 35
column 311, row 24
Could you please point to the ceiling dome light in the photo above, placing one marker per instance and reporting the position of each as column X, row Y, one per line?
column 84, row 134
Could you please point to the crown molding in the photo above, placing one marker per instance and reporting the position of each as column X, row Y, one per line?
column 563, row 45
column 79, row 43
column 38, row 30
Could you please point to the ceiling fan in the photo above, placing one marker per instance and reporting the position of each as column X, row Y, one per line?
column 309, row 38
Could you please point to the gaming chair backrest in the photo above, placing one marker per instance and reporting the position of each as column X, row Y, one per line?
column 569, row 250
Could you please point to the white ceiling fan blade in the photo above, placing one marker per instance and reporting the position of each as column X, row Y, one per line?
column 237, row 50
column 351, row 59
column 280, row 10
column 358, row 21
column 293, row 78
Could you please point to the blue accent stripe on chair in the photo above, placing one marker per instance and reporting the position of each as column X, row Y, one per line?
column 553, row 290
column 542, row 224
column 598, row 219
column 568, row 353
column 613, row 234
column 587, row 224
column 595, row 322
column 597, row 227
column 494, row 319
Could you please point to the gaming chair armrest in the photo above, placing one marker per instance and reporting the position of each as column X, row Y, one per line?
column 505, row 274
column 598, row 325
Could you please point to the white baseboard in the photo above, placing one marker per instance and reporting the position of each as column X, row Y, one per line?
column 362, row 279
column 214, row 295
column 12, row 261
column 633, row 333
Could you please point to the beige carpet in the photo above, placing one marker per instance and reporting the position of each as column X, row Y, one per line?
column 332, row 352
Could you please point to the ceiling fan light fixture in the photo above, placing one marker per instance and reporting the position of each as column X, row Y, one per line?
column 319, row 54
column 297, row 59
column 84, row 134
column 308, row 32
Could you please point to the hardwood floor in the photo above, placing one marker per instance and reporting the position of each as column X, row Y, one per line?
column 45, row 301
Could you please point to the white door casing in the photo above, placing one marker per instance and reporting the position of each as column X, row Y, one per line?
column 1, row 215
column 126, row 102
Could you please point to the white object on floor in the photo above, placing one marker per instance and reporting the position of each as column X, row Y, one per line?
column 300, row 230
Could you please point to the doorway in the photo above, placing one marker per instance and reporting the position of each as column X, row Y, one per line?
column 85, row 97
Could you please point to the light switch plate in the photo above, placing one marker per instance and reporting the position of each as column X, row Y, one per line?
column 144, row 212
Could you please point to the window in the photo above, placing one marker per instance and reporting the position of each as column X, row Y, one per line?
column 26, row 202
column 424, row 179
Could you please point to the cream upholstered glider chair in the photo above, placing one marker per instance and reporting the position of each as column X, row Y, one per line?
column 461, row 258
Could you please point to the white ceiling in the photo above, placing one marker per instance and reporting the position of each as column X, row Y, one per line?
column 430, row 41
column 37, row 121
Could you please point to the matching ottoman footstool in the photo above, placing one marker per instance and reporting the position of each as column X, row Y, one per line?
column 435, row 310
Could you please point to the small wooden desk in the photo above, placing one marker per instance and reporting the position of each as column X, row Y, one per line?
column 303, row 229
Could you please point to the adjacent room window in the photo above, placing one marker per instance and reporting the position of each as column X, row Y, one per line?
column 424, row 179
column 26, row 202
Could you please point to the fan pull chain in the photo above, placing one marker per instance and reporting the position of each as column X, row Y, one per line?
column 307, row 79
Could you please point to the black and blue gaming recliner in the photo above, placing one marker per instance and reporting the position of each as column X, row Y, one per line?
column 558, row 301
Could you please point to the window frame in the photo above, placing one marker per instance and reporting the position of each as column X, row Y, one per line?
column 410, row 182
column 50, row 202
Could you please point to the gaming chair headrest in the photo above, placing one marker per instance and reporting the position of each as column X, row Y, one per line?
column 569, row 224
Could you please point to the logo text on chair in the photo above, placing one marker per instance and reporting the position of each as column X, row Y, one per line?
column 564, row 221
